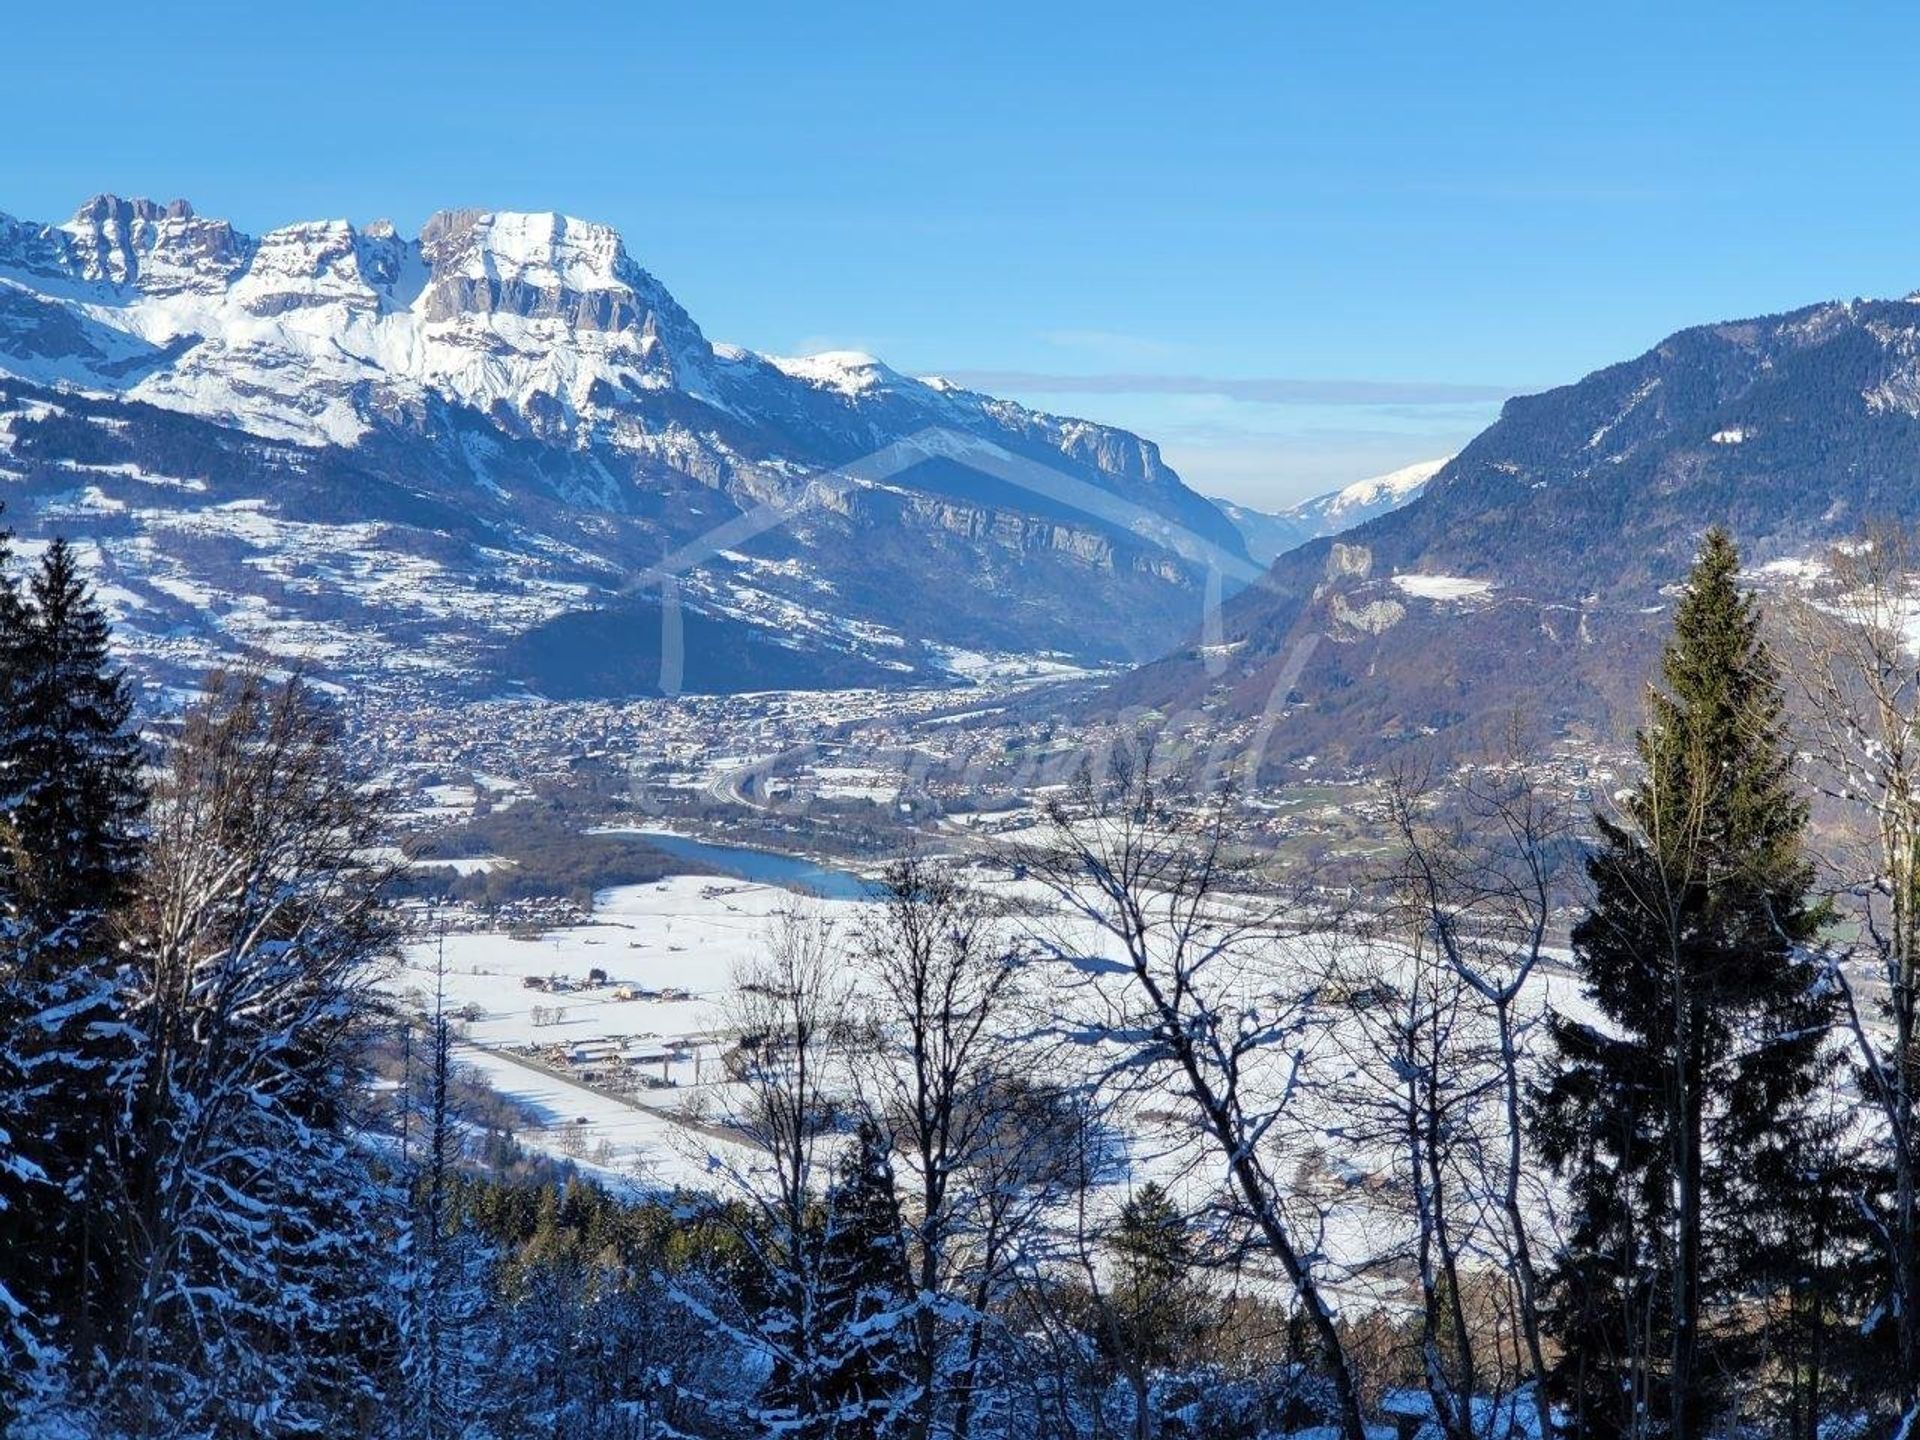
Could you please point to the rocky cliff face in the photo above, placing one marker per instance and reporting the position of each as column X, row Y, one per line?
column 525, row 370
column 158, row 249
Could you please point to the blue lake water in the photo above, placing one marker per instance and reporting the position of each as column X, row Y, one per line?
column 767, row 867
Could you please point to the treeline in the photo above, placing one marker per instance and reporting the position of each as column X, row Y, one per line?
column 551, row 1307
column 547, row 852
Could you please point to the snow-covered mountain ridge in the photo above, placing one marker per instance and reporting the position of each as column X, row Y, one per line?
column 1364, row 499
column 312, row 331
column 1272, row 533
column 526, row 371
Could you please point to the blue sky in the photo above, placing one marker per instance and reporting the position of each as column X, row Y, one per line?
column 1296, row 244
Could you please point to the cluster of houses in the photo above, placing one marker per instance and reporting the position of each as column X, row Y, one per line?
column 622, row 1062
column 596, row 979
column 526, row 742
column 611, row 1062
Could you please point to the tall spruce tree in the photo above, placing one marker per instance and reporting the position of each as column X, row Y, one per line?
column 247, row 1203
column 1153, row 1278
column 863, row 1306
column 23, row 1184
column 71, row 800
column 1677, row 1120
column 70, row 791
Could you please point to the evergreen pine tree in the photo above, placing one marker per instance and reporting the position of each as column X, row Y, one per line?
column 1817, row 1267
column 444, row 1300
column 70, row 790
column 22, row 1182
column 1677, row 1119
column 1152, row 1277
column 71, row 799
column 863, row 1296
column 256, row 925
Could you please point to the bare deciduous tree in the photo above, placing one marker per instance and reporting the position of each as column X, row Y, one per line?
column 1204, row 987
column 1857, row 679
column 1418, row 1083
column 255, row 934
column 791, row 1010
column 942, row 1076
column 1483, row 866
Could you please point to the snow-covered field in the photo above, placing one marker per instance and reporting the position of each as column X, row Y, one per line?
column 685, row 935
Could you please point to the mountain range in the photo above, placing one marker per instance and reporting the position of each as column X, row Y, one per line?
column 1532, row 575
column 500, row 454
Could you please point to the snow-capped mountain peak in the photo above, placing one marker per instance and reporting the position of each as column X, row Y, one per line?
column 1376, row 493
column 851, row 372
column 519, row 379
column 315, row 331
column 1269, row 534
column 162, row 249
column 544, row 250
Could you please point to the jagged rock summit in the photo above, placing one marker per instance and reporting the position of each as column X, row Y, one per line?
column 513, row 398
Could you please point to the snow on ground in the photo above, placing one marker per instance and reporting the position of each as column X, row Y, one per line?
column 854, row 782
column 466, row 864
column 1797, row 568
column 1810, row 574
column 685, row 934
column 618, row 1140
column 687, row 937
column 982, row 666
column 1442, row 587
column 449, row 802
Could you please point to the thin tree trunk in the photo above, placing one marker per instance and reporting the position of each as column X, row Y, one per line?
column 1528, row 1281
column 1685, row 1343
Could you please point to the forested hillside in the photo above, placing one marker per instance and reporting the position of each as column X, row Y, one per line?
column 1534, row 571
